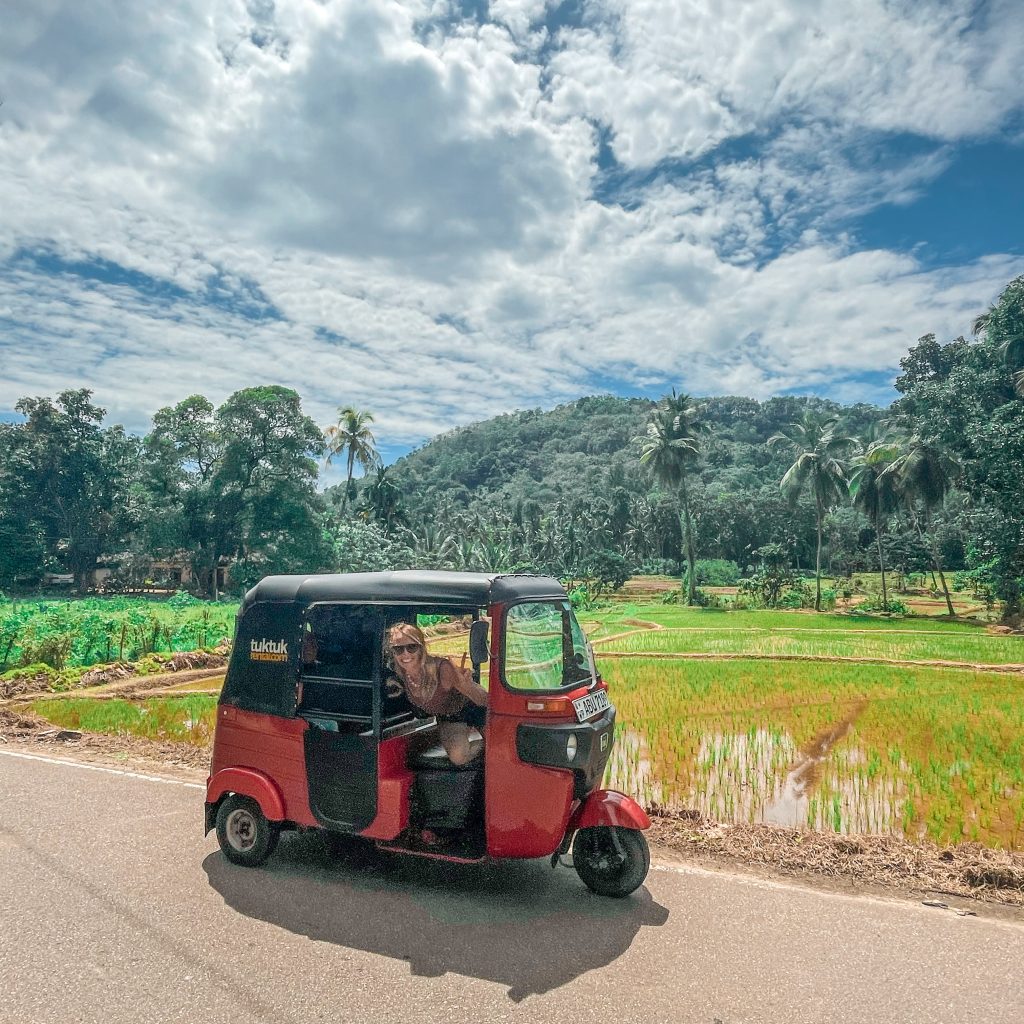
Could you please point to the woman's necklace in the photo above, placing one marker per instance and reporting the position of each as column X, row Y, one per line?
column 418, row 684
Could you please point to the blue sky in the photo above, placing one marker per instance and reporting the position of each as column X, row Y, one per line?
column 441, row 211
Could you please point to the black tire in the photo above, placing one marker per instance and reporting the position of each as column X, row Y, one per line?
column 244, row 834
column 611, row 860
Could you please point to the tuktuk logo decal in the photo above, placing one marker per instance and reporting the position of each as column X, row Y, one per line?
column 268, row 650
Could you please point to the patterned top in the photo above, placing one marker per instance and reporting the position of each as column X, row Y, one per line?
column 440, row 699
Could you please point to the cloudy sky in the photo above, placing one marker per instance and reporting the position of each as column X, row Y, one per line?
column 442, row 210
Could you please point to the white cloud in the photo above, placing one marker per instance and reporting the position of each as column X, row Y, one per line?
column 674, row 80
column 413, row 195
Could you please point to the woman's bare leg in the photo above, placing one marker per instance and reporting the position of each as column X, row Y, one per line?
column 454, row 737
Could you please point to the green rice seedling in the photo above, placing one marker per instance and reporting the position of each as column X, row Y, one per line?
column 841, row 642
column 183, row 719
column 708, row 724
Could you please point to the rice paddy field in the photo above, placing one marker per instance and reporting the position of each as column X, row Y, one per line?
column 876, row 745
column 844, row 723
column 187, row 718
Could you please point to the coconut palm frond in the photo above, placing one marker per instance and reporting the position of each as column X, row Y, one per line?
column 793, row 434
column 795, row 478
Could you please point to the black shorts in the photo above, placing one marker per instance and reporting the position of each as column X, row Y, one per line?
column 471, row 714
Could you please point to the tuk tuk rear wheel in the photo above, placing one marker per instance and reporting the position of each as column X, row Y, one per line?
column 611, row 860
column 244, row 834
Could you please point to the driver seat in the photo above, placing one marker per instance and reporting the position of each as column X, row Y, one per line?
column 435, row 758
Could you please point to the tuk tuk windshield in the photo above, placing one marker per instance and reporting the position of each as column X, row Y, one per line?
column 545, row 648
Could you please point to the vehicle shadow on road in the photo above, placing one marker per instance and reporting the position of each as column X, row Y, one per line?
column 518, row 923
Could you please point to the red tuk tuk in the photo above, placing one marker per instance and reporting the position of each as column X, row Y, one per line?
column 334, row 744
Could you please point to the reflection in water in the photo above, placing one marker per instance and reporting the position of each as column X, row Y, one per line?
column 631, row 771
column 762, row 776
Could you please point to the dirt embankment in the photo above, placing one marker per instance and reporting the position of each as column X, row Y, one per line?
column 886, row 864
column 120, row 678
column 857, row 862
column 23, row 731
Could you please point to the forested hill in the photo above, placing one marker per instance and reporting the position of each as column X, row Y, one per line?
column 214, row 492
column 589, row 448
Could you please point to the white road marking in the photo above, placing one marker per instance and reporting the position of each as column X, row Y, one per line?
column 97, row 768
column 662, row 867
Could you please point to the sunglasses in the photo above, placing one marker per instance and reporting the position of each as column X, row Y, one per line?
column 405, row 648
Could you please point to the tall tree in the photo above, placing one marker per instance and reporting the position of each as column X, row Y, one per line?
column 961, row 398
column 240, row 483
column 819, row 466
column 1002, row 326
column 352, row 436
column 875, row 493
column 671, row 447
column 923, row 473
column 79, row 476
column 383, row 500
column 22, row 538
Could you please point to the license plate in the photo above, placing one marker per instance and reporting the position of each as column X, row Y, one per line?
column 592, row 704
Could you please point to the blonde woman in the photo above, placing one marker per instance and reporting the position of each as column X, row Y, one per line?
column 436, row 687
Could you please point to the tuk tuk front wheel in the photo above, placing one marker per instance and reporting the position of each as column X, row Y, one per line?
column 244, row 834
column 611, row 860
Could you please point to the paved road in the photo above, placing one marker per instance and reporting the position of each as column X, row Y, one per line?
column 113, row 907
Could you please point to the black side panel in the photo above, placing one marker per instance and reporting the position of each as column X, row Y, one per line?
column 342, row 770
column 265, row 660
column 545, row 744
column 447, row 799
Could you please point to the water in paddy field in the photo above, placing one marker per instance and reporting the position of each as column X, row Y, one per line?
column 764, row 778
column 630, row 769
column 829, row 784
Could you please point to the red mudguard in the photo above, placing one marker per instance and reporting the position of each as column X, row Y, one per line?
column 246, row 782
column 606, row 807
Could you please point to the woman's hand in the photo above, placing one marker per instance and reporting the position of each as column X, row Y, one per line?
column 464, row 682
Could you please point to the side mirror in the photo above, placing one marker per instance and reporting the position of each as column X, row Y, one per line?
column 479, row 648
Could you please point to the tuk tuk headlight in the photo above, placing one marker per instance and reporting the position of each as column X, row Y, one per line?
column 570, row 746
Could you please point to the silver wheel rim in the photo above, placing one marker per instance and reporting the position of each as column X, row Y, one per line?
column 240, row 829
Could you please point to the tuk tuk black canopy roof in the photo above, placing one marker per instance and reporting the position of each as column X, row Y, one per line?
column 410, row 586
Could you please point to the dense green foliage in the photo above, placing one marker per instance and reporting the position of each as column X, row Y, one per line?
column 965, row 400
column 67, row 487
column 564, row 484
column 591, row 491
column 70, row 634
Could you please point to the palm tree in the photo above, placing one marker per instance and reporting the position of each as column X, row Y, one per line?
column 383, row 500
column 493, row 553
column 352, row 435
column 1003, row 326
column 818, row 465
column 923, row 472
column 432, row 545
column 671, row 447
column 876, row 495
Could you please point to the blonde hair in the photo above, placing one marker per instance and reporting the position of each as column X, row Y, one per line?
column 406, row 632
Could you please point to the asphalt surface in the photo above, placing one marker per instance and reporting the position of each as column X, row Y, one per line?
column 113, row 907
